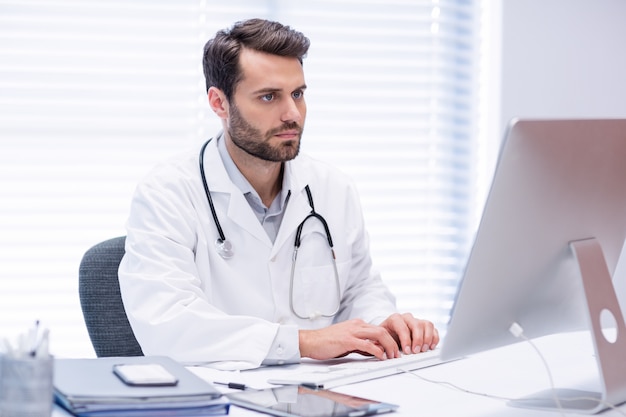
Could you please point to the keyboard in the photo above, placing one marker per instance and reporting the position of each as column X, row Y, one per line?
column 358, row 370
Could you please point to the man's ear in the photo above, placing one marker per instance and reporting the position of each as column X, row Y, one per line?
column 218, row 102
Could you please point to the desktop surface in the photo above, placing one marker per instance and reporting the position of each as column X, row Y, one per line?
column 513, row 371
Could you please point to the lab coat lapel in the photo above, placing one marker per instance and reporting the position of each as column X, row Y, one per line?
column 298, row 206
column 225, row 192
column 297, row 209
column 240, row 212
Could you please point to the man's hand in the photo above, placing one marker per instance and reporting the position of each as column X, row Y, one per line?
column 412, row 334
column 346, row 337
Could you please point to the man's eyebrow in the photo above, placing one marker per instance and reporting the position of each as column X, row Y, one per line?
column 267, row 90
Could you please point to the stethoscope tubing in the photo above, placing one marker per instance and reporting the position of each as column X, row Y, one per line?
column 224, row 248
column 208, row 192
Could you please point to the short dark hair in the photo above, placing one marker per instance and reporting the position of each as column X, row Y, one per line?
column 221, row 54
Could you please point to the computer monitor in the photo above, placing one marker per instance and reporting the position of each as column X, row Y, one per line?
column 547, row 245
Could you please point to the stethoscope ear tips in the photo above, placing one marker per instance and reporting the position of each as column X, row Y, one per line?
column 224, row 248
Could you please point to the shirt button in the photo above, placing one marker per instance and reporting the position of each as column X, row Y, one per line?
column 280, row 351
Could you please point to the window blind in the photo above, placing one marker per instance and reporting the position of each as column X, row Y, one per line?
column 93, row 94
column 391, row 101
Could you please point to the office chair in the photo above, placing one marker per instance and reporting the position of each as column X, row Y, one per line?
column 101, row 302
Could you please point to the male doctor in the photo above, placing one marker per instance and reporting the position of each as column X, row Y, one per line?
column 210, row 274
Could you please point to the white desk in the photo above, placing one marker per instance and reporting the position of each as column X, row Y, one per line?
column 513, row 371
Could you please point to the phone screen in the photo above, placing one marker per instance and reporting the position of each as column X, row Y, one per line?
column 299, row 401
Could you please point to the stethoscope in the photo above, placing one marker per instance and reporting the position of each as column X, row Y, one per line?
column 225, row 249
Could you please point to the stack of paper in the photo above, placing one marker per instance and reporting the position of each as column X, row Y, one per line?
column 89, row 388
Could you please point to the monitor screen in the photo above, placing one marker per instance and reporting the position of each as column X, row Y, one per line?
column 556, row 182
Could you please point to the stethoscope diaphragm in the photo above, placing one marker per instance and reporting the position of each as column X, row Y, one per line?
column 224, row 248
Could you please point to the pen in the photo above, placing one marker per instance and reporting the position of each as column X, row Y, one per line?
column 232, row 385
column 33, row 340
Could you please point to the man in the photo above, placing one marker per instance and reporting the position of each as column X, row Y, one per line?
column 210, row 272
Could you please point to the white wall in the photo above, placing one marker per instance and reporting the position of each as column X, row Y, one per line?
column 564, row 58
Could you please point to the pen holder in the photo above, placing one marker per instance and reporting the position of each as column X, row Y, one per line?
column 26, row 386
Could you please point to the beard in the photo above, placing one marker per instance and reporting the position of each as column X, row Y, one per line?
column 252, row 141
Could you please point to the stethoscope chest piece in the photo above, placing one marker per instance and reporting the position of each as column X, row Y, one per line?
column 224, row 248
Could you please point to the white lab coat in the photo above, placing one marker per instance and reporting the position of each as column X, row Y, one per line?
column 184, row 300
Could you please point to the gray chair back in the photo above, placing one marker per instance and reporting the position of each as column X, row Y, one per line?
column 101, row 302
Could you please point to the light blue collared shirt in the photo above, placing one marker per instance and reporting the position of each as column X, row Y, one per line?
column 269, row 217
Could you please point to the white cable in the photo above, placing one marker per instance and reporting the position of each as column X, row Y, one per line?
column 456, row 387
column 518, row 332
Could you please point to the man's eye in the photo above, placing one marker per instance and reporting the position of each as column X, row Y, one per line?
column 267, row 97
column 298, row 94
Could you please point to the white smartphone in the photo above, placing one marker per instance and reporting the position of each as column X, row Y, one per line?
column 148, row 374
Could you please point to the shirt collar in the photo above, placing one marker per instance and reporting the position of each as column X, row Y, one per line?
column 243, row 184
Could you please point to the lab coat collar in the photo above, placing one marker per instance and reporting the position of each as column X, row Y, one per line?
column 224, row 191
column 216, row 176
